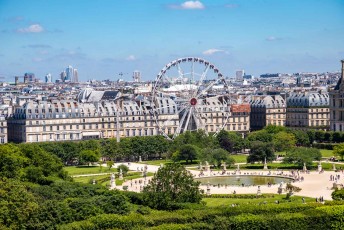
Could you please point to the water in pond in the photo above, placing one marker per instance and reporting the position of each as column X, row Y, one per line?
column 239, row 180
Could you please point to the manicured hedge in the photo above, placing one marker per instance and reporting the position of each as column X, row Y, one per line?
column 283, row 216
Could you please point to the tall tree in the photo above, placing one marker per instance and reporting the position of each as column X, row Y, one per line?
column 302, row 155
column 261, row 151
column 230, row 141
column 171, row 184
column 283, row 141
column 338, row 150
column 188, row 153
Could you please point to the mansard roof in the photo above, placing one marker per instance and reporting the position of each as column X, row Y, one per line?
column 308, row 99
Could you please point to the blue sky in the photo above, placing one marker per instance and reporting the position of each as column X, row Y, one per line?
column 102, row 38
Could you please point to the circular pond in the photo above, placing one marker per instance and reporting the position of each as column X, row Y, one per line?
column 242, row 180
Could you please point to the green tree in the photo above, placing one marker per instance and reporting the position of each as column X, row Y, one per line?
column 216, row 156
column 261, row 135
column 273, row 129
column 338, row 150
column 109, row 148
column 302, row 155
column 338, row 194
column 16, row 204
column 88, row 156
column 109, row 164
column 11, row 161
column 283, row 141
column 230, row 141
column 124, row 168
column 171, row 184
column 337, row 137
column 311, row 135
column 261, row 151
column 188, row 153
column 319, row 136
column 302, row 139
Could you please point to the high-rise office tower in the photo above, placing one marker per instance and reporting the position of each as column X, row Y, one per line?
column 63, row 76
column 69, row 74
column 48, row 78
column 75, row 76
column 137, row 76
column 239, row 75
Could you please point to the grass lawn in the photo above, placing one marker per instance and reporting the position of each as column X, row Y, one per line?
column 105, row 179
column 156, row 162
column 240, row 158
column 213, row 202
column 326, row 153
column 87, row 179
column 79, row 170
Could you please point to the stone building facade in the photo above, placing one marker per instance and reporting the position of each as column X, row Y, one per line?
column 267, row 110
column 337, row 104
column 308, row 110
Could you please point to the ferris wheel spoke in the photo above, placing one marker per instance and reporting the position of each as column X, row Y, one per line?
column 188, row 119
column 180, row 71
column 180, row 124
column 198, row 119
column 204, row 74
column 207, row 88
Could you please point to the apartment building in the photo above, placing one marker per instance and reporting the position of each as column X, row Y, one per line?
column 308, row 110
column 267, row 110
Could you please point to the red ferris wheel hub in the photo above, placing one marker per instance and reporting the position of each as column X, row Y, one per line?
column 193, row 101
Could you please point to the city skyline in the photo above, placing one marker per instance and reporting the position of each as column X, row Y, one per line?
column 104, row 38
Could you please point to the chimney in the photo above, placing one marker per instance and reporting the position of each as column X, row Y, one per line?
column 342, row 68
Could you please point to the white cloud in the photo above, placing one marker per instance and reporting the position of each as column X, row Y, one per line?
column 131, row 58
column 273, row 38
column 34, row 28
column 212, row 51
column 189, row 5
column 192, row 5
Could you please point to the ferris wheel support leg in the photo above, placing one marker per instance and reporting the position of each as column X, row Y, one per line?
column 180, row 124
column 188, row 120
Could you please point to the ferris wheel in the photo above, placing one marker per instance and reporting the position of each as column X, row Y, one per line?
column 190, row 94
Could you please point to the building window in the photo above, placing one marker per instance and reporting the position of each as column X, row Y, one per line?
column 2, row 140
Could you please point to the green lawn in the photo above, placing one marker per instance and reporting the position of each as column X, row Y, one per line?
column 240, row 158
column 88, row 179
column 105, row 179
column 213, row 202
column 156, row 162
column 79, row 170
column 326, row 153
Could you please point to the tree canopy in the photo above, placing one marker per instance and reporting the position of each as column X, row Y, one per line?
column 171, row 184
column 302, row 155
column 261, row 151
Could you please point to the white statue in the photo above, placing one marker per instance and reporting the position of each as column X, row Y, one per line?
column 112, row 181
column 120, row 174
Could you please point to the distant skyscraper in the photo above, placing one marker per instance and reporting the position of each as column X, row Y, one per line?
column 137, row 76
column 75, row 76
column 48, row 78
column 63, row 76
column 239, row 75
column 69, row 74
column 29, row 77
